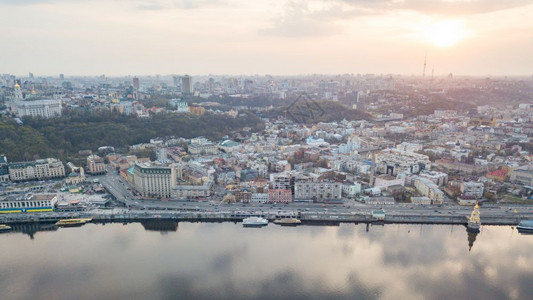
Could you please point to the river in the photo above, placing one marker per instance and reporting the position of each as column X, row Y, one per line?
column 226, row 261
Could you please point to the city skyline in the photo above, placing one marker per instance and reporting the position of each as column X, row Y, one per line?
column 285, row 38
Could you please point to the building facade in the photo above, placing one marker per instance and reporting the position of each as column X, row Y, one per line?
column 317, row 191
column 35, row 203
column 279, row 196
column 95, row 165
column 195, row 192
column 36, row 170
column 523, row 175
column 472, row 189
column 39, row 108
column 429, row 189
column 157, row 181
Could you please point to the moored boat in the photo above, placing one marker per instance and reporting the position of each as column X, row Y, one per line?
column 73, row 222
column 288, row 222
column 4, row 228
column 525, row 226
column 254, row 222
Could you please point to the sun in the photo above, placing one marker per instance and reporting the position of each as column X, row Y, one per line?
column 445, row 34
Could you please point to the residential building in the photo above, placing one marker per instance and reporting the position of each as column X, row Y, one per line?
column 95, row 165
column 393, row 162
column 243, row 196
column 279, row 196
column 421, row 200
column 429, row 189
column 523, row 175
column 192, row 191
column 36, row 170
column 384, row 181
column 186, row 84
column 351, row 189
column 438, row 178
column 317, row 191
column 39, row 108
column 474, row 189
column 259, row 198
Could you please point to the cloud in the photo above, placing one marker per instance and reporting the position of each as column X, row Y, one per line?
column 139, row 4
column 318, row 18
column 300, row 19
column 447, row 7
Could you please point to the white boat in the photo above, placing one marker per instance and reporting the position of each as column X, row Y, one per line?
column 525, row 226
column 254, row 222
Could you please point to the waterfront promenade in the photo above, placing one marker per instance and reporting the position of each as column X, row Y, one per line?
column 317, row 215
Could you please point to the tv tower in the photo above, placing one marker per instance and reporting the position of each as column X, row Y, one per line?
column 424, row 71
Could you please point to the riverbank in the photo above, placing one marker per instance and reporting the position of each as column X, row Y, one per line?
column 305, row 217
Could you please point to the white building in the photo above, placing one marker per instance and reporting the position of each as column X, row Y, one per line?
column 95, row 165
column 202, row 146
column 192, row 191
column 39, row 108
column 438, row 178
column 393, row 162
column 351, row 189
column 35, row 203
column 473, row 189
column 179, row 105
column 429, row 189
column 421, row 200
column 317, row 191
column 384, row 181
column 259, row 198
column 39, row 169
column 154, row 180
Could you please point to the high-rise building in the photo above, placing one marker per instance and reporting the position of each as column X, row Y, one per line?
column 176, row 80
column 62, row 76
column 136, row 83
column 186, row 84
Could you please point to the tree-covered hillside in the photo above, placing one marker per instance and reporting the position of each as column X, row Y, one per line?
column 81, row 129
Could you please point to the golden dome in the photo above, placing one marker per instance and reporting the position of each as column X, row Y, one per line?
column 17, row 85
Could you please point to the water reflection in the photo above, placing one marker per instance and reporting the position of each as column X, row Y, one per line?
column 162, row 226
column 471, row 239
column 226, row 261
column 31, row 229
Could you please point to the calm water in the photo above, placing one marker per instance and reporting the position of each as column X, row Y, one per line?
column 226, row 261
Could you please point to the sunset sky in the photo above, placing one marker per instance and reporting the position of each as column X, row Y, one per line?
column 142, row 37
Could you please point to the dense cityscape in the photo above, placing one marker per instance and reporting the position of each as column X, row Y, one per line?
column 289, row 149
column 371, row 145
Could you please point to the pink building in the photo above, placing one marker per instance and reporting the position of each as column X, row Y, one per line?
column 278, row 195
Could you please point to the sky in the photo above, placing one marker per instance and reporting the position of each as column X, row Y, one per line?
column 286, row 37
